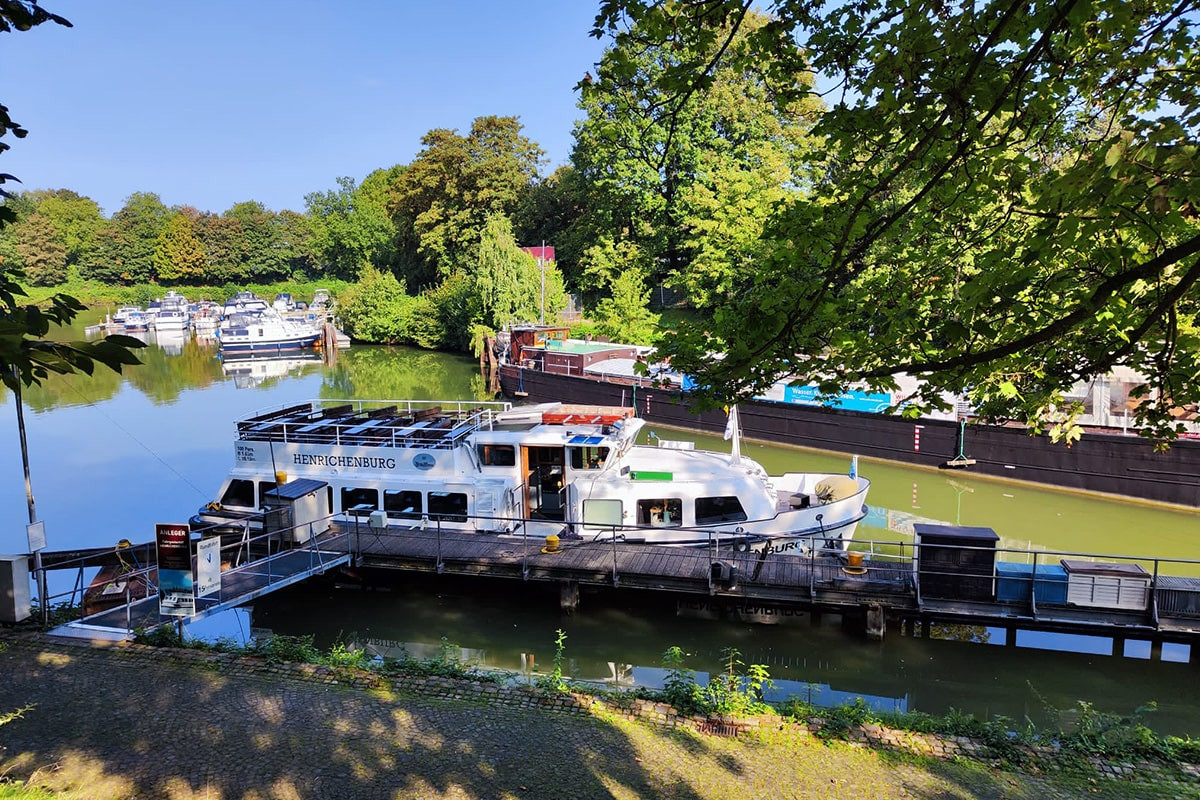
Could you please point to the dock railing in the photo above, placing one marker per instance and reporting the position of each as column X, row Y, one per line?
column 1024, row 581
column 1021, row 582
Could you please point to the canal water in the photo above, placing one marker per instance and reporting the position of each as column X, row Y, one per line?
column 111, row 455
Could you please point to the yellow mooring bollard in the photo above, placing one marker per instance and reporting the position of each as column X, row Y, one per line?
column 854, row 565
column 551, row 544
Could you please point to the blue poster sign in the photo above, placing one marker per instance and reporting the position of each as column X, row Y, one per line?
column 873, row 402
column 175, row 587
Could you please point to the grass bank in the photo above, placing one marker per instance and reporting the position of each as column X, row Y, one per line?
column 266, row 725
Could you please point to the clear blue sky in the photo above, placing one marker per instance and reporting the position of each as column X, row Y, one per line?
column 210, row 104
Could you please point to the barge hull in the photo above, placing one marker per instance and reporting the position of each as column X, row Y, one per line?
column 1113, row 464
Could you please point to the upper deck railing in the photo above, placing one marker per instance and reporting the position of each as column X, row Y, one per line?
column 431, row 424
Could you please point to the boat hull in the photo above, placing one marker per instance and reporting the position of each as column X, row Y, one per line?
column 306, row 342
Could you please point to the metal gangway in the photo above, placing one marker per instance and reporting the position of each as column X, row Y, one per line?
column 251, row 565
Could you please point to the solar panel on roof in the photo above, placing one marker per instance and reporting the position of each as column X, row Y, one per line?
column 582, row 439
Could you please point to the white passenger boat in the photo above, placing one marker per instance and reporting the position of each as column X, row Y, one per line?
column 491, row 468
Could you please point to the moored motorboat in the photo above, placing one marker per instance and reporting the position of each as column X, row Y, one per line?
column 120, row 583
column 264, row 332
column 491, row 468
column 136, row 320
column 122, row 314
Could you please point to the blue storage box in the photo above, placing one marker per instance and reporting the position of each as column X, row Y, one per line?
column 1014, row 582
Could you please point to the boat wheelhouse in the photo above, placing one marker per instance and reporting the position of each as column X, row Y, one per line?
column 244, row 302
column 490, row 468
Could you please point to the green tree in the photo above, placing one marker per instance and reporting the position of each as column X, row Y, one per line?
column 124, row 251
column 554, row 210
column 28, row 358
column 75, row 218
column 508, row 281
column 178, row 255
column 442, row 201
column 41, row 250
column 603, row 262
column 1007, row 204
column 350, row 228
column 224, row 242
column 624, row 315
column 373, row 308
column 692, row 188
column 295, row 244
column 264, row 258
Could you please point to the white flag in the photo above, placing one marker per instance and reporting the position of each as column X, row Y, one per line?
column 732, row 431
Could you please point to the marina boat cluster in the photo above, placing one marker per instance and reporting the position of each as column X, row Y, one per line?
column 244, row 325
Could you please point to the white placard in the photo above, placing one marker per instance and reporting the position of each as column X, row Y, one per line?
column 208, row 566
column 36, row 531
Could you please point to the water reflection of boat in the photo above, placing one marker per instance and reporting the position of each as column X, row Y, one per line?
column 170, row 340
column 250, row 371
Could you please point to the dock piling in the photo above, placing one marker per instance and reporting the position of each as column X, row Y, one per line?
column 876, row 622
column 568, row 596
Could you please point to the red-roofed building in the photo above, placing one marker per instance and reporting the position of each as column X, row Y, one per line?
column 541, row 253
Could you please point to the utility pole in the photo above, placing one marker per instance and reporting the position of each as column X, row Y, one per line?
column 37, row 553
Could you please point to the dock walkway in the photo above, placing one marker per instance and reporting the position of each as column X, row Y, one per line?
column 879, row 590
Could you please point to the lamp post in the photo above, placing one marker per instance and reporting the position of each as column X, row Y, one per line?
column 542, row 268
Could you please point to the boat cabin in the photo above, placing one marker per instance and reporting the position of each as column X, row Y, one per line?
column 489, row 467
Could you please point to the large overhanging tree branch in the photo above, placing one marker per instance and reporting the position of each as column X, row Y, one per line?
column 1009, row 204
column 26, row 356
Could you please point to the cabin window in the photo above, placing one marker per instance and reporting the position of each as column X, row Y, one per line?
column 497, row 455
column 263, row 488
column 448, row 506
column 660, row 512
column 602, row 513
column 588, row 457
column 238, row 493
column 402, row 503
column 359, row 501
column 718, row 509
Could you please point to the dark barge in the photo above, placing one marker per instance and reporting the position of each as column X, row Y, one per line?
column 1124, row 466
